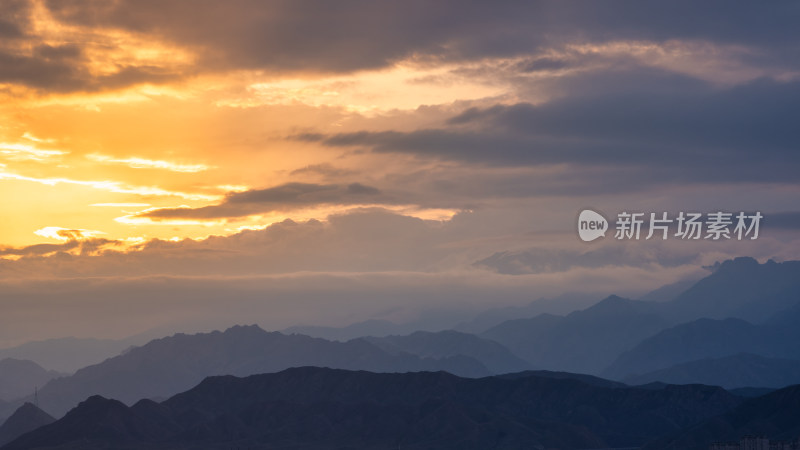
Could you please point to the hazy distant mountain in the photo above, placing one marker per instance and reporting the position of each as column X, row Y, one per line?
column 169, row 365
column 67, row 354
column 739, row 288
column 668, row 292
column 19, row 378
column 494, row 356
column 561, row 305
column 774, row 415
column 26, row 418
column 584, row 341
column 741, row 370
column 325, row 408
column 707, row 338
column 704, row 338
column 590, row 340
column 378, row 328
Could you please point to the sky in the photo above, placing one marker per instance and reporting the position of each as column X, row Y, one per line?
column 199, row 164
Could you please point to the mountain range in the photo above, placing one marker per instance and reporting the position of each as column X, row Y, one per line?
column 68, row 354
column 730, row 372
column 328, row 408
column 773, row 415
column 641, row 342
column 19, row 378
column 710, row 338
column 497, row 358
column 584, row 341
column 169, row 365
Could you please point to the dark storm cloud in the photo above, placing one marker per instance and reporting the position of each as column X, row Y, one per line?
column 27, row 59
column 62, row 69
column 50, row 67
column 279, row 198
column 13, row 18
column 744, row 133
column 351, row 35
column 359, row 34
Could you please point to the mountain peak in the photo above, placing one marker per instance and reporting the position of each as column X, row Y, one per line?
column 613, row 304
column 245, row 329
column 738, row 264
column 27, row 417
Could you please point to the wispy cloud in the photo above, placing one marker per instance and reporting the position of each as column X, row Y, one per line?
column 67, row 234
column 285, row 197
column 21, row 152
column 122, row 205
column 111, row 186
column 143, row 163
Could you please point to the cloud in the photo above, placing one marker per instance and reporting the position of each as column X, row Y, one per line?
column 285, row 197
column 76, row 244
column 739, row 134
column 63, row 69
column 376, row 240
column 42, row 54
column 144, row 163
column 544, row 260
column 14, row 18
column 326, row 170
column 111, row 186
column 789, row 220
column 21, row 152
column 292, row 36
column 66, row 234
column 364, row 264
column 359, row 34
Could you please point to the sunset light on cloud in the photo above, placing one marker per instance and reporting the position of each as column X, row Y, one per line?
column 288, row 138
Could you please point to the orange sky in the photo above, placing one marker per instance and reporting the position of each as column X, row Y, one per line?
column 90, row 161
column 110, row 116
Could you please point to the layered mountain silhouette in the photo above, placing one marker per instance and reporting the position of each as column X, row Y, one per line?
column 560, row 305
column 19, row 377
column 68, row 354
column 584, row 341
column 708, row 338
column 495, row 357
column 646, row 343
column 619, row 338
column 739, row 288
column 730, row 372
column 27, row 417
column 376, row 328
column 169, row 365
column 328, row 408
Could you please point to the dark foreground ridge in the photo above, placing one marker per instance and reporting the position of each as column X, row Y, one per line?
column 329, row 408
